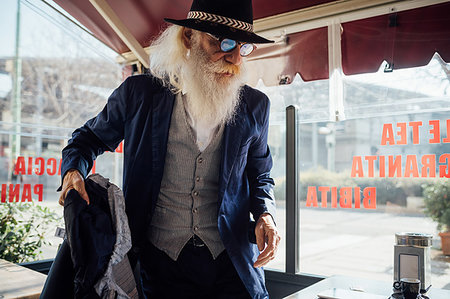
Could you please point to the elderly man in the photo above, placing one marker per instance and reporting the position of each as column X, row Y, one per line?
column 196, row 160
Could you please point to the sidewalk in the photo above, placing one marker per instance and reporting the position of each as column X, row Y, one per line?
column 357, row 243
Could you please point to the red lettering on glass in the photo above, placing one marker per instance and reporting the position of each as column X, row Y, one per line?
column 395, row 166
column 311, row 197
column 20, row 166
column 435, row 131
column 26, row 193
column 444, row 170
column 447, row 139
column 323, row 195
column 345, row 197
column 40, row 162
column 51, row 166
column 428, row 166
column 14, row 192
column 3, row 193
column 371, row 159
column 119, row 149
column 334, row 197
column 30, row 166
column 38, row 190
column 382, row 166
column 415, row 129
column 401, row 133
column 357, row 169
column 411, row 167
column 387, row 136
column 357, row 197
column 370, row 198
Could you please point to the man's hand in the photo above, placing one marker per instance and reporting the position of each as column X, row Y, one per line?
column 73, row 180
column 267, row 239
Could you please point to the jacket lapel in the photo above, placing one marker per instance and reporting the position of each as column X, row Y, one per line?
column 232, row 138
column 161, row 115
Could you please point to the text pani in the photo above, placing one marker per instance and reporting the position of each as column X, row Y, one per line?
column 21, row 192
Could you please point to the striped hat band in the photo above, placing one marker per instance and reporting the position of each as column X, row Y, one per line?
column 204, row 16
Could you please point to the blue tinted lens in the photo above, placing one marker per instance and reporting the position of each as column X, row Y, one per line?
column 246, row 49
column 227, row 45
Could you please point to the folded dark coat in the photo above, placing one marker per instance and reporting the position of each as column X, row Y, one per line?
column 86, row 259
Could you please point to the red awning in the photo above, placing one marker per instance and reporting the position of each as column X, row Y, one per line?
column 144, row 18
column 405, row 39
column 304, row 52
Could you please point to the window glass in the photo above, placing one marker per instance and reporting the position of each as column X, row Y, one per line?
column 362, row 179
column 313, row 98
column 64, row 78
column 400, row 92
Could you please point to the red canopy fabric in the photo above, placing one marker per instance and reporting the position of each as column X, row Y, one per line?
column 304, row 52
column 144, row 18
column 266, row 8
column 405, row 39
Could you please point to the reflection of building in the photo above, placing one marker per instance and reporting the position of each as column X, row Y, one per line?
column 321, row 141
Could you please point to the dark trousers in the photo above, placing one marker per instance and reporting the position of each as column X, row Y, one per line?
column 195, row 274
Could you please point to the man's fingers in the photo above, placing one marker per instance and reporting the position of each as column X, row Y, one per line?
column 80, row 188
column 265, row 257
column 272, row 238
column 84, row 195
column 269, row 252
column 73, row 180
column 259, row 233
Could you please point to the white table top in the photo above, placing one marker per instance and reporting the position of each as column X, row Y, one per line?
column 19, row 282
column 368, row 286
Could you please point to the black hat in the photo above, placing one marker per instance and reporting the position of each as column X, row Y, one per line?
column 225, row 18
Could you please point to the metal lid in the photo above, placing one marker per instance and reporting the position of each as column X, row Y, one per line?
column 413, row 239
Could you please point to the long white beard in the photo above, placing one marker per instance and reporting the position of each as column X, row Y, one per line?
column 212, row 100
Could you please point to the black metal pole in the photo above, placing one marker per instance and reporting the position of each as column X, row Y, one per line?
column 292, row 205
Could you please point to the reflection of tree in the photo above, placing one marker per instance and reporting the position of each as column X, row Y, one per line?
column 65, row 92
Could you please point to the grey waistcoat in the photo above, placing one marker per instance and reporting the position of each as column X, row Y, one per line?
column 188, row 197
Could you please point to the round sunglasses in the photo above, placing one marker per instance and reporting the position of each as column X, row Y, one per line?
column 228, row 45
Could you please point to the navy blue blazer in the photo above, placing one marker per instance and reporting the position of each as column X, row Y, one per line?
column 139, row 112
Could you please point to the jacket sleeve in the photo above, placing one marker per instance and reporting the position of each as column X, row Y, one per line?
column 101, row 133
column 259, row 164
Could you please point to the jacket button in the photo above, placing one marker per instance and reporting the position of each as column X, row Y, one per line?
column 197, row 179
column 196, row 228
column 200, row 160
column 196, row 193
column 195, row 210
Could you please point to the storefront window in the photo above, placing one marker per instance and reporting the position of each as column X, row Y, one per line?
column 55, row 79
column 362, row 178
column 300, row 94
